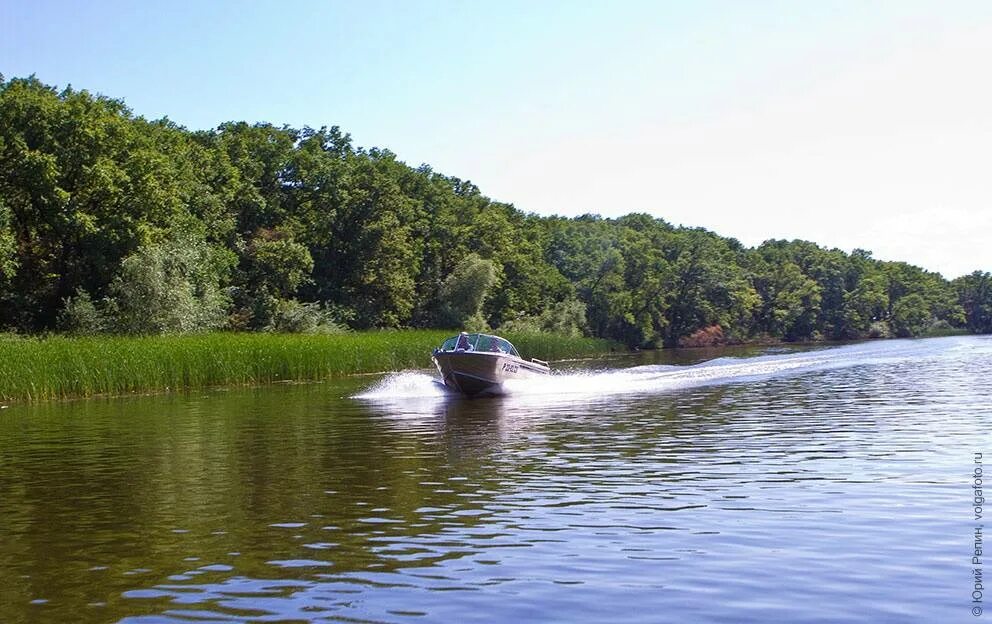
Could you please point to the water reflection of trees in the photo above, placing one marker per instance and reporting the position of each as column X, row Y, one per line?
column 138, row 486
column 155, row 489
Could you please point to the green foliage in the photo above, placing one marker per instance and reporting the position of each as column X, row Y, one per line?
column 911, row 316
column 170, row 287
column 865, row 305
column 879, row 329
column 366, row 255
column 265, row 227
column 279, row 267
column 86, row 185
column 564, row 318
column 548, row 347
column 791, row 302
column 292, row 316
column 940, row 327
column 975, row 294
column 464, row 291
column 58, row 367
column 708, row 287
column 476, row 323
column 80, row 316
column 8, row 247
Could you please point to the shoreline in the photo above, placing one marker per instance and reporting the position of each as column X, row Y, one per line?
column 61, row 368
column 778, row 342
column 46, row 368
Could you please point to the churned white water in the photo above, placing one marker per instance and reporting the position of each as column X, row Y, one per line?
column 659, row 378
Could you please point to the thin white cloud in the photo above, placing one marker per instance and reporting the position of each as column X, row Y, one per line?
column 885, row 148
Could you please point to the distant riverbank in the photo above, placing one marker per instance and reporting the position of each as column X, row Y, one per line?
column 708, row 339
column 58, row 367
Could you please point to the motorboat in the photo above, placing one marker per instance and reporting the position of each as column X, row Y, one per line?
column 478, row 364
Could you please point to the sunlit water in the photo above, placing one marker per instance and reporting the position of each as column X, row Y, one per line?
column 795, row 485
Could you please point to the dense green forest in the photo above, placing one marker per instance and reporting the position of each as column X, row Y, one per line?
column 113, row 223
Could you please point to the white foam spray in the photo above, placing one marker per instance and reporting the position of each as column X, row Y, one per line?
column 651, row 379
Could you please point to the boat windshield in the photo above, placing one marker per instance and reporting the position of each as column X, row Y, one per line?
column 479, row 342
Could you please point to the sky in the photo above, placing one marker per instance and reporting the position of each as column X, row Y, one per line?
column 853, row 124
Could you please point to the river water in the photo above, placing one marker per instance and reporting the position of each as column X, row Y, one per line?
column 793, row 484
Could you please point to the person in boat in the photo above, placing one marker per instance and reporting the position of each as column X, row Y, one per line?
column 463, row 343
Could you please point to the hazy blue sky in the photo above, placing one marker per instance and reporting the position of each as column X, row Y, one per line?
column 852, row 124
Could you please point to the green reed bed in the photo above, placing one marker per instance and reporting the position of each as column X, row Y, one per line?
column 55, row 367
column 554, row 347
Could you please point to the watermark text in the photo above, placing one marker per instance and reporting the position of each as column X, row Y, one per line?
column 978, row 556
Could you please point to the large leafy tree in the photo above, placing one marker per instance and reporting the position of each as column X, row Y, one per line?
column 174, row 286
column 791, row 301
column 248, row 222
column 867, row 303
column 366, row 257
column 86, row 184
column 464, row 291
column 8, row 248
column 911, row 316
column 975, row 294
column 707, row 286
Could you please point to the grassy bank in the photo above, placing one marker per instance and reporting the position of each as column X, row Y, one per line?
column 56, row 367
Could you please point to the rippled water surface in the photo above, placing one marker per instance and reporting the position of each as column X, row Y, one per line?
column 817, row 485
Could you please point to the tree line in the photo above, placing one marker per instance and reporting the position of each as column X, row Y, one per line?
column 113, row 223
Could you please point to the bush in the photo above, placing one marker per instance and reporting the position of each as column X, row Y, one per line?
column 942, row 327
column 879, row 329
column 711, row 336
column 522, row 325
column 80, row 315
column 465, row 290
column 171, row 287
column 911, row 316
column 280, row 266
column 8, row 246
column 292, row 316
column 565, row 318
column 476, row 323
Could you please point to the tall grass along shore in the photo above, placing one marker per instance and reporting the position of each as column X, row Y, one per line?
column 43, row 368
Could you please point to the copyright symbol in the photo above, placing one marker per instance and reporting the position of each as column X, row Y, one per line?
column 976, row 611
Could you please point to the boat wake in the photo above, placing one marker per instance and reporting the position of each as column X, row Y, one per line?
column 650, row 379
column 406, row 385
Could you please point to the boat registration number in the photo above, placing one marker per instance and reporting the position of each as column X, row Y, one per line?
column 510, row 368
